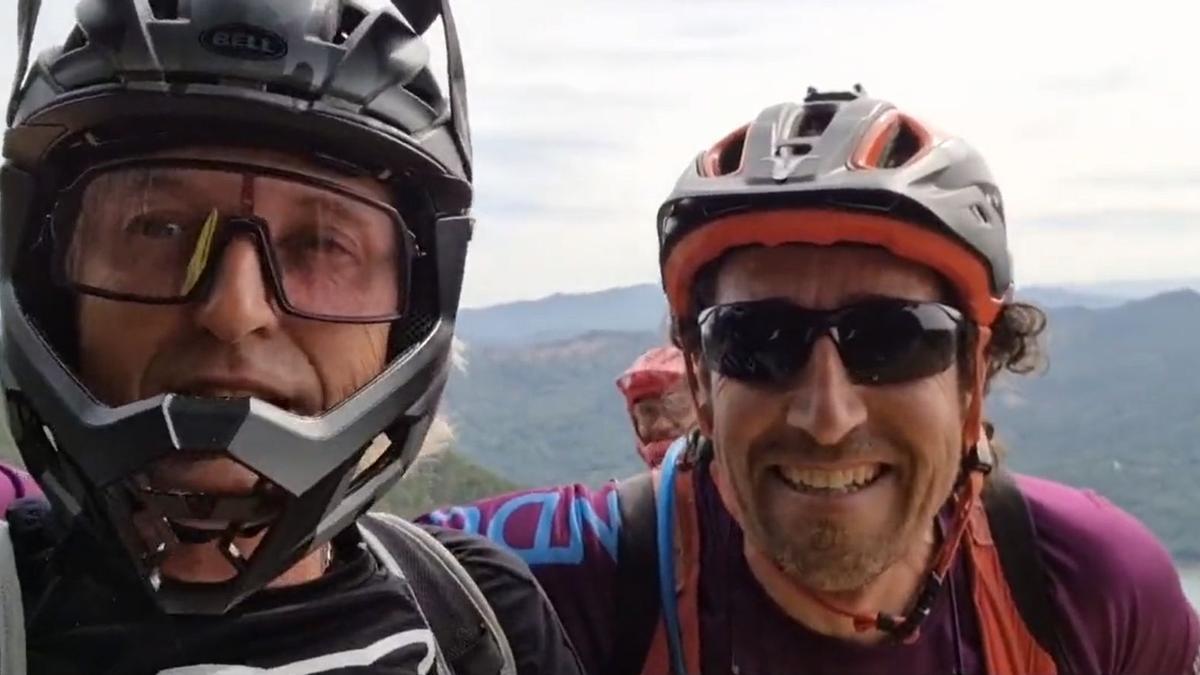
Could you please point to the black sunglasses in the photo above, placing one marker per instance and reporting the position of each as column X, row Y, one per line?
column 768, row 342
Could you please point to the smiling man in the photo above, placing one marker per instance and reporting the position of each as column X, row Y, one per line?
column 234, row 236
column 840, row 283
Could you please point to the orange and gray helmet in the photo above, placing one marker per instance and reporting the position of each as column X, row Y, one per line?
column 841, row 167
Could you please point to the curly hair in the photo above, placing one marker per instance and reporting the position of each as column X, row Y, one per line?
column 1016, row 343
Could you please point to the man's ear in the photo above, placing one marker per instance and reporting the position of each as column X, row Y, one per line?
column 700, row 384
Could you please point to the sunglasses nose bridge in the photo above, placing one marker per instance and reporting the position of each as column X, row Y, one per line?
column 252, row 230
column 824, row 402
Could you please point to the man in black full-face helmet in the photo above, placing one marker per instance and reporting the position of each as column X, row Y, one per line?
column 233, row 242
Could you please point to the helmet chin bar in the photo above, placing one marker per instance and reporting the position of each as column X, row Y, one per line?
column 128, row 518
column 152, row 525
column 163, row 519
column 252, row 511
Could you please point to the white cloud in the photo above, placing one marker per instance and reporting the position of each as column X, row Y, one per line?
column 1108, row 246
column 1065, row 99
column 585, row 112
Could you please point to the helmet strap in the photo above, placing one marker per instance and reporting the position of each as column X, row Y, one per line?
column 703, row 408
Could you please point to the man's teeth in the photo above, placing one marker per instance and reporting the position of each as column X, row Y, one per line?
column 836, row 480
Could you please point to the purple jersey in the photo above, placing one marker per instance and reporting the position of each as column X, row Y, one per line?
column 1116, row 588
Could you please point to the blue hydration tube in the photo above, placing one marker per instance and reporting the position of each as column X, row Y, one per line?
column 666, row 554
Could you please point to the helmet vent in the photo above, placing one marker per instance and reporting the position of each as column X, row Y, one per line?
column 980, row 214
column 295, row 90
column 164, row 10
column 794, row 148
column 729, row 158
column 349, row 20
column 76, row 40
column 903, row 146
column 185, row 78
column 815, row 120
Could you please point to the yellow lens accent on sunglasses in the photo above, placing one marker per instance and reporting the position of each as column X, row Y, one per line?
column 200, row 256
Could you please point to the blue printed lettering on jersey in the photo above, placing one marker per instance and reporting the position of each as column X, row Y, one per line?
column 468, row 518
column 543, row 550
column 607, row 532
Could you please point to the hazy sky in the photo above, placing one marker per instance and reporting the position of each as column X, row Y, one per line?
column 585, row 113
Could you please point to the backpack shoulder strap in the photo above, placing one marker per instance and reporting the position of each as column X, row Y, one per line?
column 12, row 613
column 637, row 601
column 1014, row 533
column 454, row 610
column 675, row 648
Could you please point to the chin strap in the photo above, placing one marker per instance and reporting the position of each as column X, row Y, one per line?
column 977, row 463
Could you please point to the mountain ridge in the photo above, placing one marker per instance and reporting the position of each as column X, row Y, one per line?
column 642, row 307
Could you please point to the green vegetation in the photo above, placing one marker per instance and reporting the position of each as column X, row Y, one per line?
column 548, row 413
column 442, row 479
column 1118, row 411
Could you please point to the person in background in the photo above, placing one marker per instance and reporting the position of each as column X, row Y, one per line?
column 659, row 404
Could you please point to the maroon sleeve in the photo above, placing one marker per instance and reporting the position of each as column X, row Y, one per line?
column 1116, row 585
column 14, row 484
column 568, row 537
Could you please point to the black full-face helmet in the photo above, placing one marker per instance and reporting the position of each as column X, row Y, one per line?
column 345, row 83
